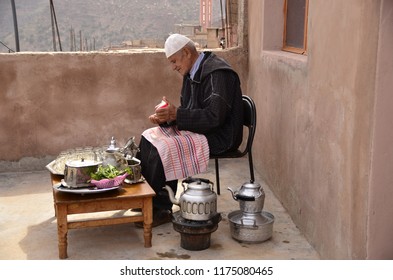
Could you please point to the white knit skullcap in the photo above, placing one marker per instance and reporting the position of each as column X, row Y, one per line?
column 175, row 43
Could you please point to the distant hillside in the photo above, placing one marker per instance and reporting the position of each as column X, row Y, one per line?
column 105, row 22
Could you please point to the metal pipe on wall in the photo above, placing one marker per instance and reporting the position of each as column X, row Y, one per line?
column 15, row 26
column 53, row 27
column 227, row 24
column 54, row 24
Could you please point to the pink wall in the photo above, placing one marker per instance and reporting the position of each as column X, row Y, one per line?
column 50, row 102
column 380, row 213
column 58, row 101
column 316, row 118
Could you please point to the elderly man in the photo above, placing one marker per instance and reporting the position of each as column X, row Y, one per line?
column 208, row 121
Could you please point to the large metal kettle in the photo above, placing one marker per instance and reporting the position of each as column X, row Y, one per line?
column 198, row 201
column 250, row 196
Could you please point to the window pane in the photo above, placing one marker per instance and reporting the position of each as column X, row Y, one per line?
column 296, row 11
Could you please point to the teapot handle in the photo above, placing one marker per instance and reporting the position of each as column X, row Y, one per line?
column 245, row 198
column 65, row 171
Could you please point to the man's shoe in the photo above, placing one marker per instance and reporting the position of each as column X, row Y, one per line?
column 160, row 217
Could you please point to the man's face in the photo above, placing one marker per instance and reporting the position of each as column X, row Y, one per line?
column 181, row 61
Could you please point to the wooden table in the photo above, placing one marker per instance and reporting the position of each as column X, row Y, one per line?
column 138, row 195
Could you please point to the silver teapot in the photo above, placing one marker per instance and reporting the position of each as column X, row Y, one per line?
column 130, row 149
column 198, row 201
column 250, row 196
column 113, row 156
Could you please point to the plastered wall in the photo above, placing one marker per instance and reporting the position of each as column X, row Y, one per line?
column 50, row 102
column 380, row 212
column 316, row 118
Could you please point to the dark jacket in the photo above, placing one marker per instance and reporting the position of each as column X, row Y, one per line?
column 211, row 104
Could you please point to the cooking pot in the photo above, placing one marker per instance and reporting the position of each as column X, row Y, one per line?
column 250, row 196
column 198, row 201
column 251, row 227
column 77, row 172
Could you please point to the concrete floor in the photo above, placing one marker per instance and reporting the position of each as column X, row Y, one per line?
column 28, row 226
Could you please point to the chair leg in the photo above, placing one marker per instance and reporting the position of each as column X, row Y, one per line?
column 251, row 167
column 217, row 176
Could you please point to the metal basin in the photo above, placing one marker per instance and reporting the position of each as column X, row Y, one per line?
column 251, row 227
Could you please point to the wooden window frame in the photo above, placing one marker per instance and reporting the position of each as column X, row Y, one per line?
column 290, row 48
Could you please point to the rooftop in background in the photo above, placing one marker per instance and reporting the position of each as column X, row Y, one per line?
column 100, row 23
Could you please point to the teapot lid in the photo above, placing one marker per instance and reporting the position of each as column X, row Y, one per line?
column 251, row 189
column 197, row 183
column 251, row 185
column 112, row 146
column 81, row 163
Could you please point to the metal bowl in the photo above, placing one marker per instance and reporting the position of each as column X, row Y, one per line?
column 251, row 227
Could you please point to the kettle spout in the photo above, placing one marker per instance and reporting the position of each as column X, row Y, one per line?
column 233, row 193
column 171, row 195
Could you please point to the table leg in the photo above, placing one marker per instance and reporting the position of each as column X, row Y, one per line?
column 62, row 230
column 54, row 202
column 147, row 221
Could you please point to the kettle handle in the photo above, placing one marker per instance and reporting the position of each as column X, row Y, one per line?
column 191, row 180
column 199, row 180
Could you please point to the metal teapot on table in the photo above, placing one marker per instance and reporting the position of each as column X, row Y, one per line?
column 198, row 201
column 130, row 149
column 113, row 156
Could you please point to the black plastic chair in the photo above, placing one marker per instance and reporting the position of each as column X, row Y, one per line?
column 250, row 121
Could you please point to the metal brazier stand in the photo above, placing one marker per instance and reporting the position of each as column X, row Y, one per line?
column 198, row 216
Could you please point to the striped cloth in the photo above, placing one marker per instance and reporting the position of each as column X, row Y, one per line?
column 183, row 153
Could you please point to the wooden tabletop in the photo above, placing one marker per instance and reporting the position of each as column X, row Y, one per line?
column 141, row 189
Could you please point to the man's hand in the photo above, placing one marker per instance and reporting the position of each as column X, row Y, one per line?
column 153, row 118
column 165, row 112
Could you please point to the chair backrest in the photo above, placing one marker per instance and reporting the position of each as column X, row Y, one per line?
column 249, row 120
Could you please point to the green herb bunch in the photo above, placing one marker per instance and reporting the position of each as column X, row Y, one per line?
column 109, row 172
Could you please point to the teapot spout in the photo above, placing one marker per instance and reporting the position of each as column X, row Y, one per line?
column 171, row 195
column 233, row 193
